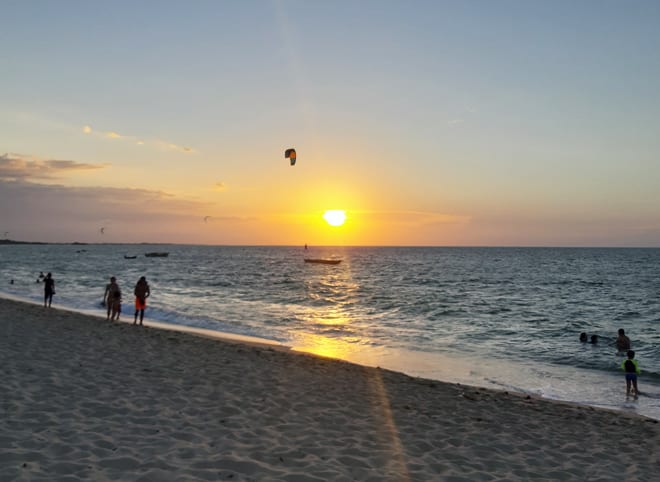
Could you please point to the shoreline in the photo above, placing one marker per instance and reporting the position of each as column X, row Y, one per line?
column 98, row 400
column 438, row 367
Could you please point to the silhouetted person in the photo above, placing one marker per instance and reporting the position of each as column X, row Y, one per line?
column 631, row 367
column 594, row 339
column 141, row 294
column 112, row 299
column 49, row 289
column 583, row 337
column 622, row 341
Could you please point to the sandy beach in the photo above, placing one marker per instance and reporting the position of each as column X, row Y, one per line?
column 85, row 399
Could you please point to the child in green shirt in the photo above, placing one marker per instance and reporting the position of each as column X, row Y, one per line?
column 631, row 368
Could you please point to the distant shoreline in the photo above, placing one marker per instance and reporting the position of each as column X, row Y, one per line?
column 75, row 243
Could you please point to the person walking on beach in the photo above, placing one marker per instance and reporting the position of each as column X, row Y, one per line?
column 49, row 289
column 141, row 292
column 631, row 367
column 112, row 299
column 622, row 341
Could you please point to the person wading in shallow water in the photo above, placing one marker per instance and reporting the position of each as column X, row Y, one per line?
column 622, row 341
column 141, row 294
column 112, row 299
column 49, row 289
column 631, row 367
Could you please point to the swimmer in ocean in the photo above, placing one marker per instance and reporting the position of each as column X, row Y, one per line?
column 622, row 341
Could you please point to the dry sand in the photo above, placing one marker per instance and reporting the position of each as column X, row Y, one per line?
column 86, row 399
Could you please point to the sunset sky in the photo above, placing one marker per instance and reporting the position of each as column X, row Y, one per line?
column 487, row 123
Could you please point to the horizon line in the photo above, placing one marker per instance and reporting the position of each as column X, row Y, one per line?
column 7, row 242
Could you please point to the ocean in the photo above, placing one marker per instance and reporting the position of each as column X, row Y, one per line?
column 502, row 318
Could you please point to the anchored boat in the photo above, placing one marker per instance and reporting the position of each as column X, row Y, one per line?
column 322, row 261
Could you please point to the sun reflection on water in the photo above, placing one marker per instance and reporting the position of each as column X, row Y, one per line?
column 328, row 319
column 325, row 346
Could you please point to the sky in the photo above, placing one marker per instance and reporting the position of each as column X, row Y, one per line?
column 430, row 123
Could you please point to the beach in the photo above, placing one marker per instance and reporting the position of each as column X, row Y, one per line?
column 87, row 399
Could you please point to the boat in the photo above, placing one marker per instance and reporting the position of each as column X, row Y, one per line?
column 157, row 255
column 322, row 260
column 129, row 257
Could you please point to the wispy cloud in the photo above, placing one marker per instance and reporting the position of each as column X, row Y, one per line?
column 24, row 167
column 156, row 143
column 170, row 146
column 228, row 219
column 219, row 186
column 418, row 218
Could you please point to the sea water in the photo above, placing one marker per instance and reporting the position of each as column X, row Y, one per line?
column 504, row 318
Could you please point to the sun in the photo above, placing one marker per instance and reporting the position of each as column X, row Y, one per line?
column 335, row 217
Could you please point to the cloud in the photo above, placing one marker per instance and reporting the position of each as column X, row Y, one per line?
column 219, row 186
column 170, row 146
column 23, row 167
column 155, row 143
column 54, row 212
column 414, row 218
column 454, row 122
column 105, row 134
column 232, row 219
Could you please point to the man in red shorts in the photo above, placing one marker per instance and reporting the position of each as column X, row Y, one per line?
column 141, row 294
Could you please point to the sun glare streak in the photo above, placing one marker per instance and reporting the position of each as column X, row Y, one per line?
column 388, row 427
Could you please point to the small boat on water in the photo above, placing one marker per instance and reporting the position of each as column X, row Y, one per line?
column 322, row 261
column 129, row 257
column 157, row 255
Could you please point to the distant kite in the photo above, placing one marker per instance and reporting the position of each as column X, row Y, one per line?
column 206, row 218
column 291, row 155
column 6, row 233
column 102, row 230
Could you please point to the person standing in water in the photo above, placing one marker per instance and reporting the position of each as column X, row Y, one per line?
column 622, row 341
column 631, row 367
column 112, row 299
column 141, row 292
column 49, row 289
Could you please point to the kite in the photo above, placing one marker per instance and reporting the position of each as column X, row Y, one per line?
column 102, row 230
column 206, row 218
column 291, row 155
